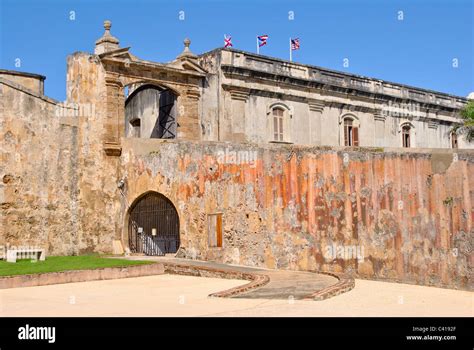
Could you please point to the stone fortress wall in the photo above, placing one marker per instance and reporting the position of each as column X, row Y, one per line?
column 378, row 214
column 406, row 212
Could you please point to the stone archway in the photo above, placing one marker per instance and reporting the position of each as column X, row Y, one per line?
column 150, row 112
column 153, row 225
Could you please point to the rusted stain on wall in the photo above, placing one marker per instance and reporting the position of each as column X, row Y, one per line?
column 285, row 209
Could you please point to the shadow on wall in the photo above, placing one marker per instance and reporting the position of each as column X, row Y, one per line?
column 150, row 112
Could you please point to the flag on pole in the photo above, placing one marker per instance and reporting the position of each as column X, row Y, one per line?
column 227, row 40
column 295, row 44
column 262, row 40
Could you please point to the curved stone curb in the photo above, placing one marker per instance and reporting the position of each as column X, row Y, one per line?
column 345, row 284
column 72, row 276
column 257, row 280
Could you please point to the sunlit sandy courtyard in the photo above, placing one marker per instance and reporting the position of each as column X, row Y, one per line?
column 173, row 295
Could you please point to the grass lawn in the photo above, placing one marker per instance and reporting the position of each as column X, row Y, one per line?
column 63, row 263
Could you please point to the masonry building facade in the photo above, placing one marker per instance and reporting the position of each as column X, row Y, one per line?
column 239, row 158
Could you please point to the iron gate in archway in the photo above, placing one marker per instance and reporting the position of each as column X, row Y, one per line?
column 153, row 226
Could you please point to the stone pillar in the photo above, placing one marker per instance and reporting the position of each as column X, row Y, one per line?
column 189, row 127
column 379, row 129
column 114, row 115
column 434, row 141
column 239, row 97
column 316, row 109
column 189, row 123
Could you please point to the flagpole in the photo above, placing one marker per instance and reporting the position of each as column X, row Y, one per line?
column 258, row 48
column 291, row 54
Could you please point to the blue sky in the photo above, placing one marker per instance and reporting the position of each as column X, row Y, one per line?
column 418, row 50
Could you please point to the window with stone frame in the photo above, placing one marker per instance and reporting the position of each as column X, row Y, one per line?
column 278, row 114
column 406, row 136
column 214, row 230
column 454, row 140
column 351, row 133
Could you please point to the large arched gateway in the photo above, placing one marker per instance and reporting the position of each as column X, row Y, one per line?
column 153, row 225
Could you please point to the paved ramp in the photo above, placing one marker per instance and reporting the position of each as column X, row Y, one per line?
column 282, row 284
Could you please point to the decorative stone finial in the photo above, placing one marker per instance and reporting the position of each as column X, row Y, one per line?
column 187, row 52
column 107, row 42
column 107, row 25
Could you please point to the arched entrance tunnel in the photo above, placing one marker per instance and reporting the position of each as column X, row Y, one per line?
column 153, row 225
column 150, row 112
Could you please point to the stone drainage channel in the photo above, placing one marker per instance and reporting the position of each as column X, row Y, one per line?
column 264, row 283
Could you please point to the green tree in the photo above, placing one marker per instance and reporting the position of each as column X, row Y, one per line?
column 466, row 128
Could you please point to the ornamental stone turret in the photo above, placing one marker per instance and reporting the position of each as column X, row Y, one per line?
column 187, row 52
column 107, row 42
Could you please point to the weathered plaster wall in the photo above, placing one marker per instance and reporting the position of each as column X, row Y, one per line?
column 39, row 172
column 98, row 199
column 58, row 185
column 410, row 212
column 240, row 87
column 145, row 106
column 58, row 188
column 32, row 82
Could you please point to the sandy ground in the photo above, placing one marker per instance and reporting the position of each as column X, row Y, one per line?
column 173, row 295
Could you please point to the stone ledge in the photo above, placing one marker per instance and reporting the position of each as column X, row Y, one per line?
column 27, row 91
column 345, row 284
column 256, row 280
column 72, row 276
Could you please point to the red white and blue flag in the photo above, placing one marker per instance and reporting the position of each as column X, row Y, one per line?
column 295, row 44
column 227, row 40
column 262, row 40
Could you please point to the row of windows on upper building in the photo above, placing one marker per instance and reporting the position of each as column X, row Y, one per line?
column 151, row 112
column 350, row 131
